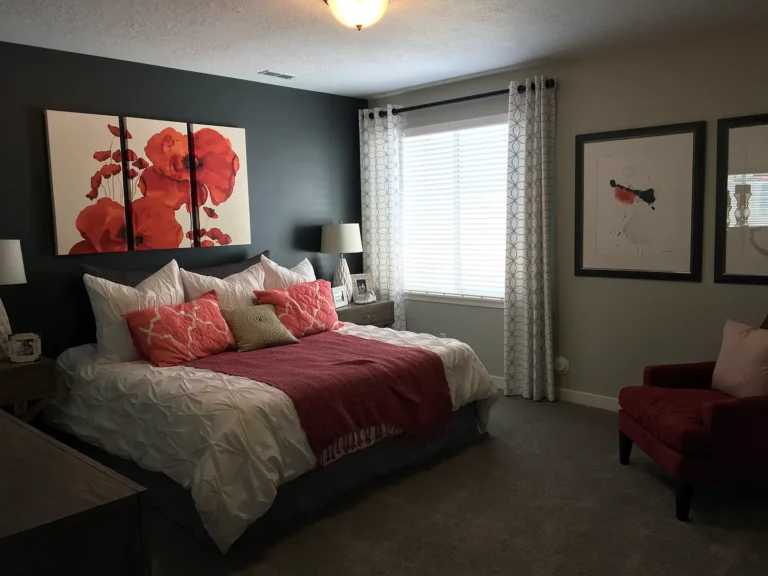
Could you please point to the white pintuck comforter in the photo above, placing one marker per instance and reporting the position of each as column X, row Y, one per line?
column 195, row 426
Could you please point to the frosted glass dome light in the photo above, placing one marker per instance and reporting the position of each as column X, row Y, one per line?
column 358, row 13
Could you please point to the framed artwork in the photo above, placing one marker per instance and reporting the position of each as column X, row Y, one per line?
column 340, row 296
column 158, row 184
column 87, row 182
column 362, row 288
column 220, row 170
column 741, row 207
column 122, row 184
column 639, row 203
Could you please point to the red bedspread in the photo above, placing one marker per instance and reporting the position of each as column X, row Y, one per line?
column 348, row 392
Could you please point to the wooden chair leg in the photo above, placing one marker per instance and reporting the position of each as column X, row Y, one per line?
column 625, row 448
column 683, row 497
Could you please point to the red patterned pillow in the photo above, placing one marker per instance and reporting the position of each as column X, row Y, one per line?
column 304, row 308
column 172, row 335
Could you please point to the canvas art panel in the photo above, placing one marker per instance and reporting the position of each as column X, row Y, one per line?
column 746, row 210
column 87, row 182
column 159, row 184
column 640, row 199
column 221, row 177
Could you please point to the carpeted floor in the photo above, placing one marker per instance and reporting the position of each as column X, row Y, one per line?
column 543, row 495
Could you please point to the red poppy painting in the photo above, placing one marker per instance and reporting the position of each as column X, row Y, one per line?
column 87, row 182
column 221, row 177
column 141, row 184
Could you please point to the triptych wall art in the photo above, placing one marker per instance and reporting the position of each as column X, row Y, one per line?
column 122, row 183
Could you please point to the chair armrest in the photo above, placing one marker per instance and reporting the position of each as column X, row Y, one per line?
column 697, row 375
column 746, row 418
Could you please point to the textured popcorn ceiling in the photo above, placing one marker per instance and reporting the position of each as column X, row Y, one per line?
column 418, row 41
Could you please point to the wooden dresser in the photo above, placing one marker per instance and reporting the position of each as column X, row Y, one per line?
column 62, row 513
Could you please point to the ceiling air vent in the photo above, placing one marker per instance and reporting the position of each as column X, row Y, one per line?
column 276, row 75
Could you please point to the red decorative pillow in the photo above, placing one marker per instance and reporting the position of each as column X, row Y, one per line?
column 304, row 308
column 172, row 335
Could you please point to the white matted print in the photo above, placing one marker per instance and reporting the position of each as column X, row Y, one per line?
column 160, row 190
column 86, row 182
column 639, row 199
column 221, row 176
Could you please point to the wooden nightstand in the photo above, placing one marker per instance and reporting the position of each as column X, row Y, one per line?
column 380, row 313
column 31, row 382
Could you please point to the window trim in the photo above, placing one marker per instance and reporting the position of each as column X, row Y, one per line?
column 457, row 125
column 456, row 299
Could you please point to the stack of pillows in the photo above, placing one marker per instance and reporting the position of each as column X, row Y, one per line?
column 175, row 316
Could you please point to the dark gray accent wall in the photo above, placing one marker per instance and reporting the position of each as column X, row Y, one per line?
column 303, row 171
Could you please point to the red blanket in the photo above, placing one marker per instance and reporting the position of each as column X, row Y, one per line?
column 348, row 392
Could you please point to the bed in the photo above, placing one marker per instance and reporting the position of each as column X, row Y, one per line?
column 233, row 447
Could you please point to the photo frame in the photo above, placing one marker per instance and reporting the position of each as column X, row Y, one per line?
column 340, row 296
column 24, row 347
column 741, row 220
column 639, row 203
column 362, row 288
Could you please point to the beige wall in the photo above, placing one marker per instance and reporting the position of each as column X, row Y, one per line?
column 610, row 329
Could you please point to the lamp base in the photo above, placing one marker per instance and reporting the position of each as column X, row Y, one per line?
column 341, row 277
column 5, row 331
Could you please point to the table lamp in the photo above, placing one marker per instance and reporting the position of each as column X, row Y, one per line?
column 11, row 272
column 341, row 239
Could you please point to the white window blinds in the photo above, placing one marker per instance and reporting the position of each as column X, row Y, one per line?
column 455, row 189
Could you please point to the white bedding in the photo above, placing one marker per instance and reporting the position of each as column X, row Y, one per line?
column 196, row 426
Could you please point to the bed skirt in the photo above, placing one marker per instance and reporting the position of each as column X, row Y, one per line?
column 305, row 496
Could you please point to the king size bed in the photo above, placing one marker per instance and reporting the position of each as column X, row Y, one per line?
column 239, row 443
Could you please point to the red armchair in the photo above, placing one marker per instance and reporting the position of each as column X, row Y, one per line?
column 698, row 435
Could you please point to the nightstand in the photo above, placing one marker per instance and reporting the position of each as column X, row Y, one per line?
column 31, row 382
column 380, row 313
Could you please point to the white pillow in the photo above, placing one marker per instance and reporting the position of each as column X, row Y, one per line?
column 110, row 301
column 275, row 276
column 235, row 291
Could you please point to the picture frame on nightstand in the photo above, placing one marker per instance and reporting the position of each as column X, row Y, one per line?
column 362, row 288
column 24, row 347
column 340, row 296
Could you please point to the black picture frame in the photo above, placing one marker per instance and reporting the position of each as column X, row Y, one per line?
column 724, row 125
column 699, row 131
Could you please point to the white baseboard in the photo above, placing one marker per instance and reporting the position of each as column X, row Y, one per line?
column 575, row 397
column 587, row 399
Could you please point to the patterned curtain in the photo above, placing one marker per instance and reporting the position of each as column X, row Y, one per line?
column 528, row 357
column 381, row 138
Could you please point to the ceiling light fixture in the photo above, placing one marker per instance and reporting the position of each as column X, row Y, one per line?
column 358, row 13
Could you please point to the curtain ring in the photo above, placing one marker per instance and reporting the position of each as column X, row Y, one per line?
column 521, row 89
column 382, row 113
column 371, row 116
column 533, row 86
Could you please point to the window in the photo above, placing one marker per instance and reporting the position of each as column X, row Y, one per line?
column 758, row 201
column 454, row 205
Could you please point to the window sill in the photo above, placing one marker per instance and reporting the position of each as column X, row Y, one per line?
column 460, row 300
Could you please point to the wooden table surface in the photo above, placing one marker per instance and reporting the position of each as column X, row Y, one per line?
column 42, row 480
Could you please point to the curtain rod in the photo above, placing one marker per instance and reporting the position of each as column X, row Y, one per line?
column 550, row 83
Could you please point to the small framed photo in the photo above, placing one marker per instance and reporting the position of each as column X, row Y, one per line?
column 340, row 296
column 23, row 347
column 362, row 289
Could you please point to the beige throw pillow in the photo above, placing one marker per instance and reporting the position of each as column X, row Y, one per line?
column 742, row 366
column 257, row 327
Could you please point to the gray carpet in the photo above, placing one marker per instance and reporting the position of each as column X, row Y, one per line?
column 544, row 495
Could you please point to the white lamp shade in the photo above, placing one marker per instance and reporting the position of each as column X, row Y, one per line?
column 341, row 239
column 11, row 263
